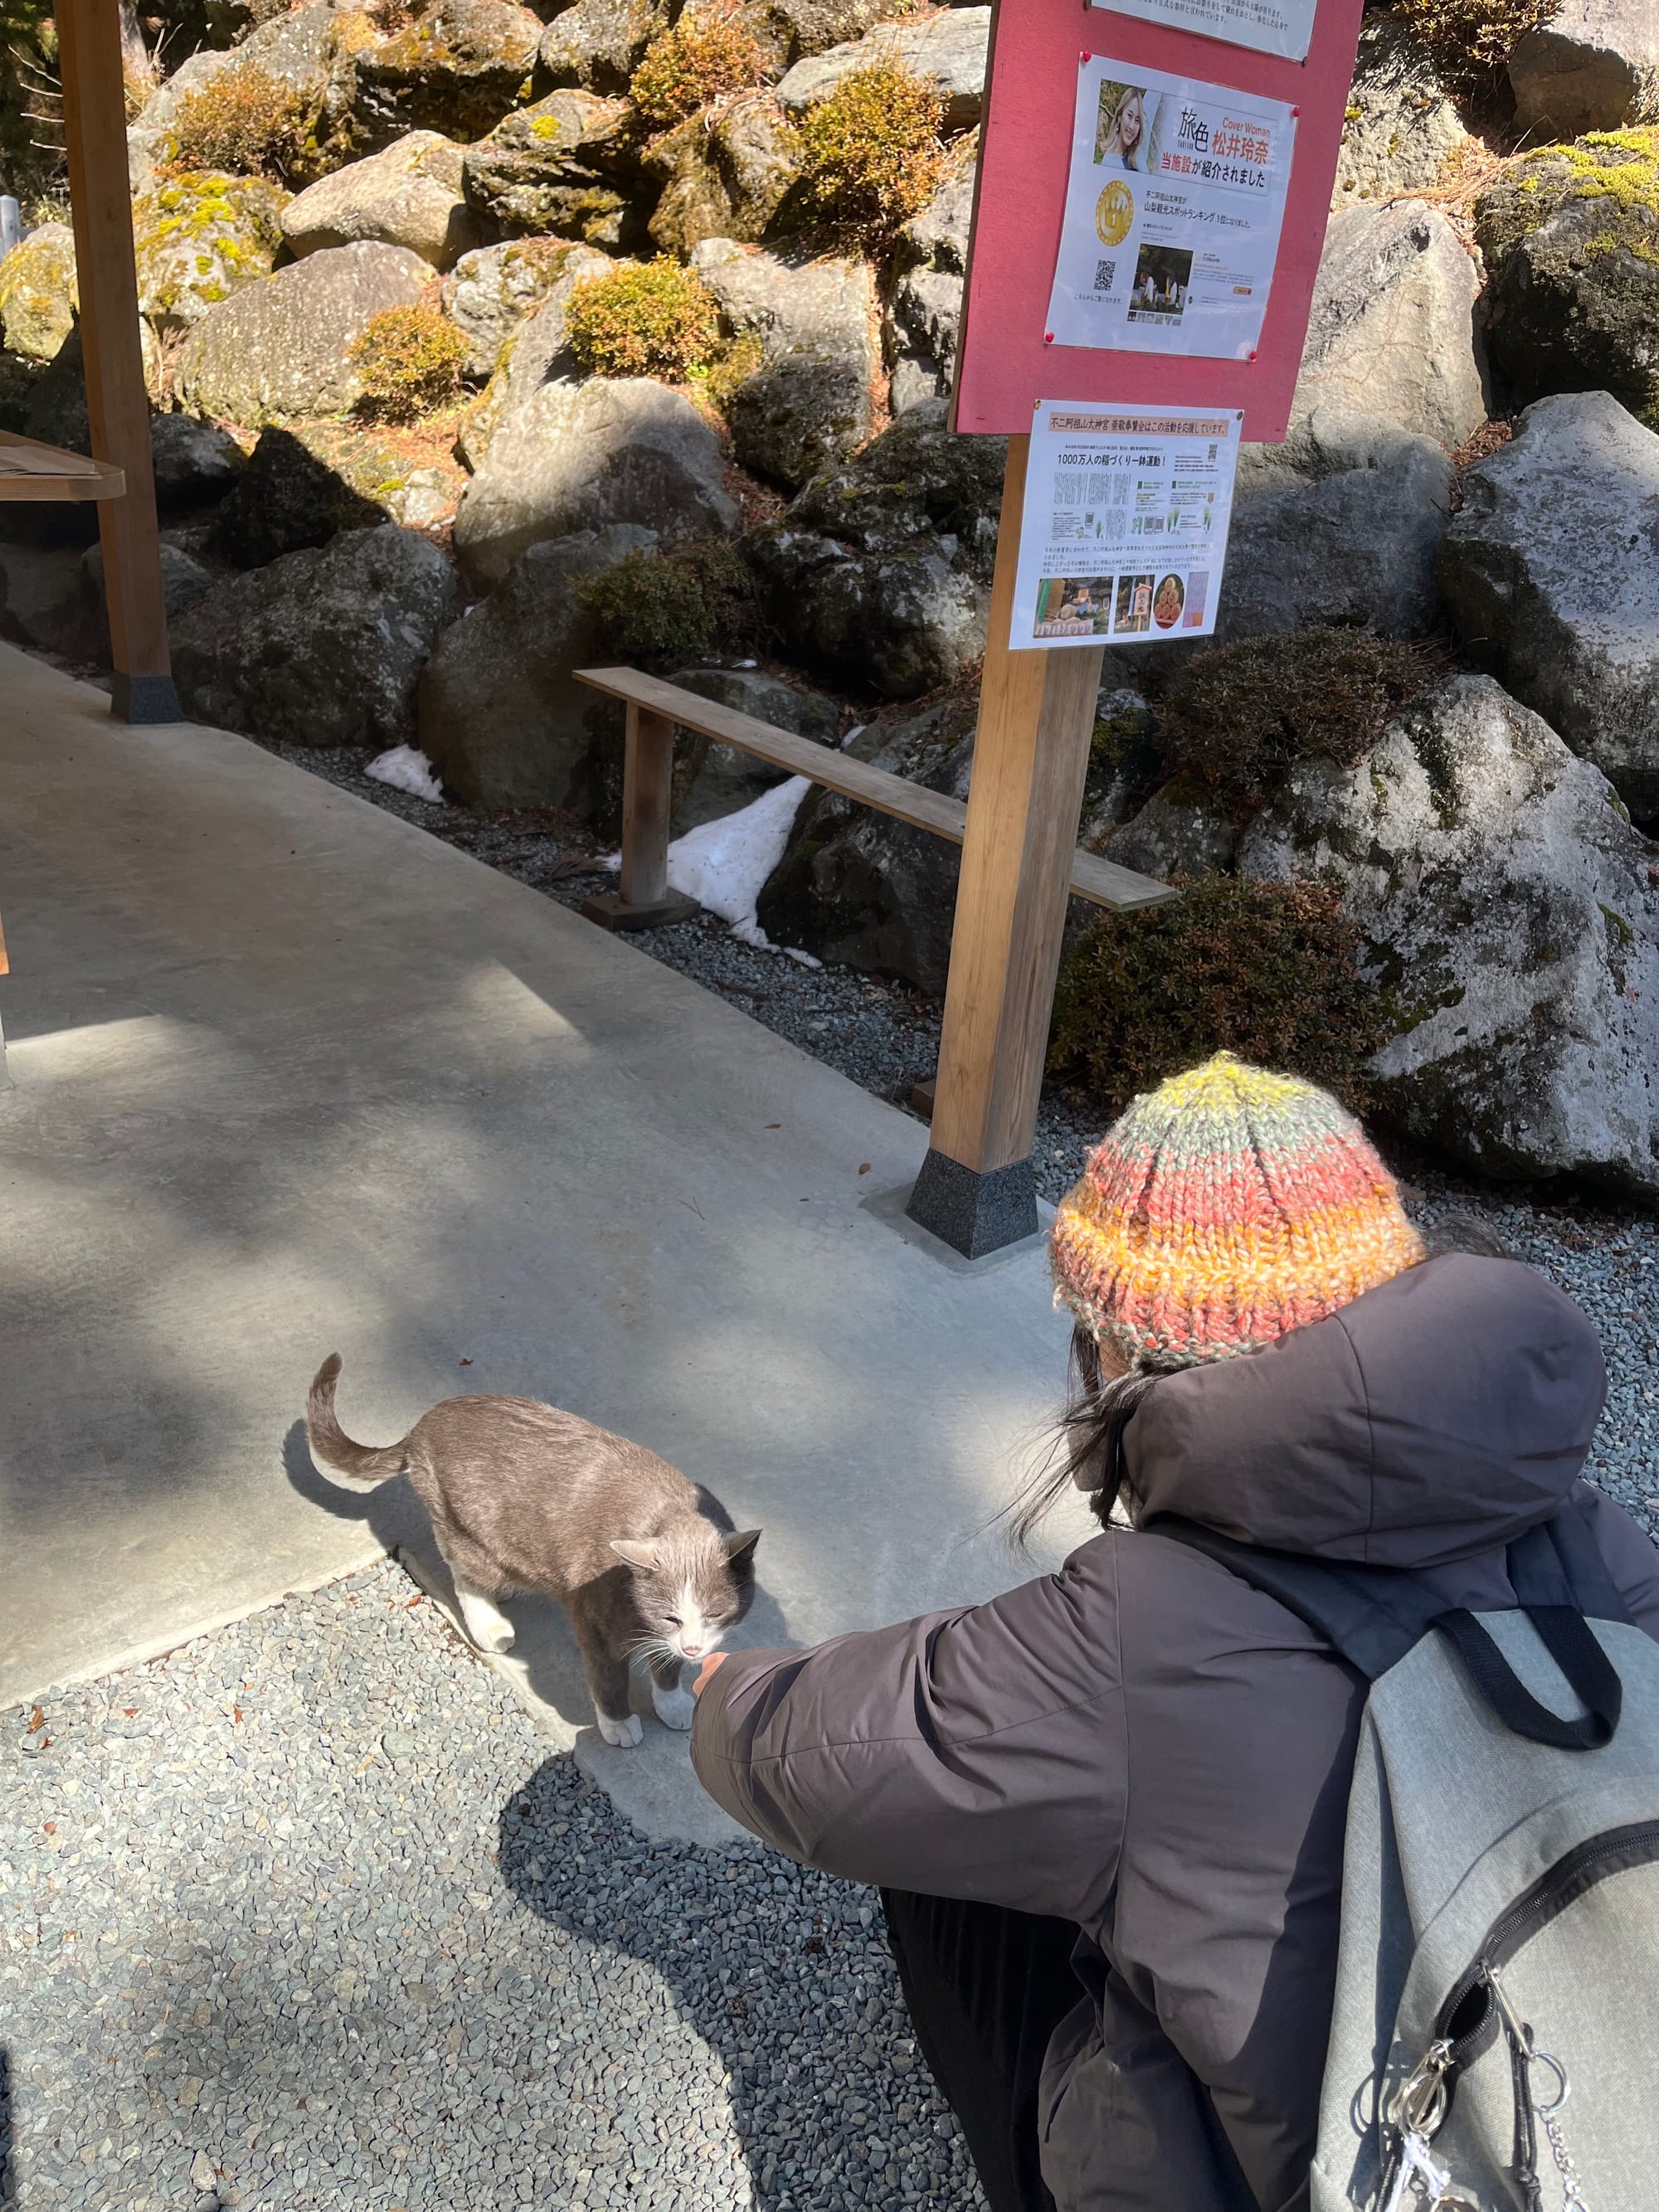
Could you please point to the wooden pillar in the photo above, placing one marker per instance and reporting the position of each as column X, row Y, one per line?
column 645, row 900
column 1037, row 716
column 96, row 132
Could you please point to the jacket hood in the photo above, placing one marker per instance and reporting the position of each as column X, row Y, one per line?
column 1437, row 1417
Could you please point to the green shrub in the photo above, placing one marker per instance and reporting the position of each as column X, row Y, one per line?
column 1235, row 718
column 731, row 366
column 1471, row 39
column 410, row 361
column 645, row 318
column 678, row 606
column 1268, row 971
column 686, row 67
column 871, row 154
column 244, row 120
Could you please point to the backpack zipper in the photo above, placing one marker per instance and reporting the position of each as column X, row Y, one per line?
column 1567, row 1879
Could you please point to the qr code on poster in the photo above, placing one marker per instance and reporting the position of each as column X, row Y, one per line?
column 1105, row 273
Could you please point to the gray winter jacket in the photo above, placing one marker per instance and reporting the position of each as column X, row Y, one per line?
column 1145, row 1746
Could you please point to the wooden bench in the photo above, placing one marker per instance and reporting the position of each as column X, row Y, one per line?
column 29, row 469
column 645, row 901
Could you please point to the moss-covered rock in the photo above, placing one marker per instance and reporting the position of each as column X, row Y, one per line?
column 726, row 173
column 1571, row 236
column 456, row 68
column 568, row 166
column 38, row 294
column 198, row 237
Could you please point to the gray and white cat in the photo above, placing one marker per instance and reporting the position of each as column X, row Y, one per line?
column 524, row 1498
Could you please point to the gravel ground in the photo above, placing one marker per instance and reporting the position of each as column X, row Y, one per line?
column 304, row 1914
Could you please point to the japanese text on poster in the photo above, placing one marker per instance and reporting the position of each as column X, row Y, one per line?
column 1173, row 210
column 1125, row 523
column 1284, row 28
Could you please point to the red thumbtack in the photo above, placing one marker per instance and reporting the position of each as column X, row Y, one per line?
column 1048, row 338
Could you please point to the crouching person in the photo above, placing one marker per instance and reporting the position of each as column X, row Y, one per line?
column 1106, row 1811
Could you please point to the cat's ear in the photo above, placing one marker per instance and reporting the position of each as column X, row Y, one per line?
column 645, row 1557
column 740, row 1546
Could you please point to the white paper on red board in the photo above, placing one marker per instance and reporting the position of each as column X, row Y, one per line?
column 1173, row 205
column 1124, row 528
column 1284, row 28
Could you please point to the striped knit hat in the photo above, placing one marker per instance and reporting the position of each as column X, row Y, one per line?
column 1222, row 1209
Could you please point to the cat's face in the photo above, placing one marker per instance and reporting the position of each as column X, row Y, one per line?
column 691, row 1590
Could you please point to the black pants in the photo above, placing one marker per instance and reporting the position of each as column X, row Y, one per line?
column 986, row 1989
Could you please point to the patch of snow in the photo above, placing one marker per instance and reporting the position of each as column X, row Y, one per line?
column 405, row 769
column 857, row 731
column 724, row 865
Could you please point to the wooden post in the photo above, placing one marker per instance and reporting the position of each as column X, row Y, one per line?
column 646, row 901
column 1037, row 716
column 118, row 406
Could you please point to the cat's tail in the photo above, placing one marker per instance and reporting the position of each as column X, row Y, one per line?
column 362, row 1465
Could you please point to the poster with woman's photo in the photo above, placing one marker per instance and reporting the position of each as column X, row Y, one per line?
column 1124, row 529
column 1173, row 210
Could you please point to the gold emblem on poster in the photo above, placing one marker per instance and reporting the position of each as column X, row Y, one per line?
column 1115, row 212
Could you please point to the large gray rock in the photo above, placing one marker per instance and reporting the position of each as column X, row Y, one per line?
column 456, row 68
column 1350, row 535
column 567, row 165
column 811, row 400
column 492, row 292
column 280, row 350
column 924, row 310
column 322, row 647
column 950, row 47
column 724, row 172
column 305, row 486
column 1593, row 66
column 1570, row 237
column 881, row 567
column 598, row 43
column 1513, row 912
column 720, row 778
column 536, row 355
column 1552, row 569
column 502, row 717
column 580, row 456
column 1175, row 835
column 409, row 195
column 1402, row 125
column 862, row 888
column 1392, row 329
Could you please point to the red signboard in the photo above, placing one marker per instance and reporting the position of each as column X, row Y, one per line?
column 1004, row 365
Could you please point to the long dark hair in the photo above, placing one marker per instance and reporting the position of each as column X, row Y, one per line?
column 1087, row 1451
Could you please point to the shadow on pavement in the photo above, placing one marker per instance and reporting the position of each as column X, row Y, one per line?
column 7, row 2191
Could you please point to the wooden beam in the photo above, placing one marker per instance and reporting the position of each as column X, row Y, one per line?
column 30, row 470
column 1092, row 877
column 118, row 406
column 1030, row 759
column 646, row 901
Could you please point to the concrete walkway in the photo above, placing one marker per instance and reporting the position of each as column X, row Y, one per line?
column 287, row 1076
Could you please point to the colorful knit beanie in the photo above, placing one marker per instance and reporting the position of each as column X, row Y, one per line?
column 1221, row 1209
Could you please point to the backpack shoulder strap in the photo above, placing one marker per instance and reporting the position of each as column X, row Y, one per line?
column 1372, row 1615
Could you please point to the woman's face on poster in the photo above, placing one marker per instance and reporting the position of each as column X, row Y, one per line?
column 1131, row 120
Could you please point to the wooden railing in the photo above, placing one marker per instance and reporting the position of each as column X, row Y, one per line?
column 645, row 900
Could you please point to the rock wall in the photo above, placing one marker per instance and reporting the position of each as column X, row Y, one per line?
column 441, row 186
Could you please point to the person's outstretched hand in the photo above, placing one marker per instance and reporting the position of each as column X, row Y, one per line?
column 705, row 1671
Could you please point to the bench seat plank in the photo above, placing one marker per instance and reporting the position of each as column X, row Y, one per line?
column 29, row 469
column 1093, row 878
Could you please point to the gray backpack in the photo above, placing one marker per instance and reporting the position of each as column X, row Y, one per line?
column 1495, row 2041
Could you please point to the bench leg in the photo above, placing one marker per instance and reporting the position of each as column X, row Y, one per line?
column 1037, row 716
column 645, row 901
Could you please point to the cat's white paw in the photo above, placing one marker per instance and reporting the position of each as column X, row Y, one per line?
column 487, row 1625
column 674, row 1707
column 624, row 1733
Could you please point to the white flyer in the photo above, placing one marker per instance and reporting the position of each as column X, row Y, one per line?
column 1284, row 28
column 1173, row 210
column 1124, row 528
